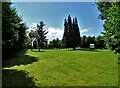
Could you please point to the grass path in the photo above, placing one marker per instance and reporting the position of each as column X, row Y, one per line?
column 66, row 68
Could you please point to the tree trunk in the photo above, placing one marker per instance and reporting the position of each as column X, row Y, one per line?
column 38, row 48
column 119, row 57
column 73, row 48
column 31, row 48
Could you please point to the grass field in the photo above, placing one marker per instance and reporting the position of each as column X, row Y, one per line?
column 62, row 68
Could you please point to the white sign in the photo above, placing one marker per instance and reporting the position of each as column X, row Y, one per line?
column 92, row 46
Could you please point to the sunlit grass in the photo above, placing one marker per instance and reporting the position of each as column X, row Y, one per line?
column 71, row 68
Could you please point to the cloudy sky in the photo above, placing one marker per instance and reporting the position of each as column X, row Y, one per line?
column 54, row 13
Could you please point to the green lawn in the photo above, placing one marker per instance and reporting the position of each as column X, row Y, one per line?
column 62, row 68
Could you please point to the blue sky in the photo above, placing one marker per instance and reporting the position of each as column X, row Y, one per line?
column 54, row 13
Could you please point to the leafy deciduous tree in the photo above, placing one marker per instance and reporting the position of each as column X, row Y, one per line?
column 110, row 13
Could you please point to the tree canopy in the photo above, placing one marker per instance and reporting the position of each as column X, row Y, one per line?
column 13, row 30
column 71, row 36
column 110, row 13
column 40, row 34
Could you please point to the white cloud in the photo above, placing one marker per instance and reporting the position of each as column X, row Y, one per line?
column 34, row 24
column 54, row 33
column 84, row 30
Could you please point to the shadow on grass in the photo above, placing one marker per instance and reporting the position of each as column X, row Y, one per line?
column 85, row 49
column 19, row 59
column 38, row 51
column 12, row 78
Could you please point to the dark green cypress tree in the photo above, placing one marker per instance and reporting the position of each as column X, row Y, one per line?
column 70, row 32
column 71, row 37
column 77, row 33
column 66, row 33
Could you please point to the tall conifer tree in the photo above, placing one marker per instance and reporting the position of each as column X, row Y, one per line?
column 41, row 34
column 71, row 35
column 77, row 33
column 65, row 35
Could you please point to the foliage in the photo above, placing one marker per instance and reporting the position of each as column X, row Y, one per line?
column 56, row 43
column 13, row 30
column 89, row 40
column 110, row 13
column 71, row 36
column 100, row 43
column 41, row 34
column 32, row 34
column 83, row 44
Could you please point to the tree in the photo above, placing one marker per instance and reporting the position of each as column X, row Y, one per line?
column 77, row 38
column 22, row 35
column 56, row 43
column 71, row 36
column 89, row 40
column 110, row 13
column 50, row 45
column 66, row 35
column 70, row 33
column 100, row 43
column 32, row 34
column 32, row 38
column 13, row 30
column 41, row 34
column 83, row 44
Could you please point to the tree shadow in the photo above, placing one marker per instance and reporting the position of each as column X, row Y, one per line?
column 19, row 59
column 12, row 78
column 87, row 49
column 38, row 51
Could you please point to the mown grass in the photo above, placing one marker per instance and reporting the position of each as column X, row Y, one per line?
column 65, row 67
